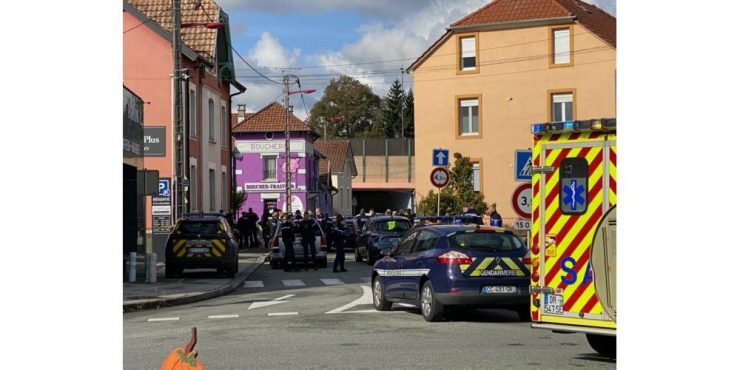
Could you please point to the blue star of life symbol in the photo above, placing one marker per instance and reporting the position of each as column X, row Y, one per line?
column 573, row 194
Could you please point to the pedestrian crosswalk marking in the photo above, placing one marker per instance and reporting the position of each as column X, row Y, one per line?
column 254, row 284
column 164, row 319
column 332, row 281
column 223, row 316
column 282, row 313
column 293, row 283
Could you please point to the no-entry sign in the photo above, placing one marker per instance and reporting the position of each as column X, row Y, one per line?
column 440, row 177
column 522, row 200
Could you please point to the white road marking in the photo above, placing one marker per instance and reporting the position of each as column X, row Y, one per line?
column 282, row 313
column 254, row 284
column 366, row 298
column 293, row 283
column 264, row 304
column 284, row 297
column 332, row 281
column 164, row 319
column 223, row 316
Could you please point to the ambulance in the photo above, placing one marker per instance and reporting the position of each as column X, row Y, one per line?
column 573, row 230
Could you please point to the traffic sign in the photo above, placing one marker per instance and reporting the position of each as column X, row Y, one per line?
column 440, row 157
column 522, row 200
column 440, row 177
column 522, row 224
column 164, row 188
column 523, row 165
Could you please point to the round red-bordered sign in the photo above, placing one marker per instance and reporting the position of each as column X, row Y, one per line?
column 522, row 200
column 440, row 177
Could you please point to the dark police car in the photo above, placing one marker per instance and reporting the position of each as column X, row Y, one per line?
column 381, row 234
column 454, row 265
column 201, row 240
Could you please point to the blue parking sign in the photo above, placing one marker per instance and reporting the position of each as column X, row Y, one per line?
column 164, row 188
column 523, row 165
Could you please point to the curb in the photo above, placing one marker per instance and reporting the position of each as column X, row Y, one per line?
column 226, row 289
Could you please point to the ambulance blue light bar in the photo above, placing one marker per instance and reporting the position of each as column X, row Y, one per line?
column 602, row 124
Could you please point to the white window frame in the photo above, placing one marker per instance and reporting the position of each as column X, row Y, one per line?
column 558, row 102
column 561, row 53
column 468, row 50
column 476, row 176
column 467, row 104
column 264, row 161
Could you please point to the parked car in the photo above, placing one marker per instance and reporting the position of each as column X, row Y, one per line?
column 381, row 234
column 277, row 253
column 201, row 240
column 439, row 266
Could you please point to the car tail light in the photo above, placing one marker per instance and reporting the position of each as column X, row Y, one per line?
column 454, row 258
column 454, row 291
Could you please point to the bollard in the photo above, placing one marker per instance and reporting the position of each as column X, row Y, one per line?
column 152, row 271
column 132, row 267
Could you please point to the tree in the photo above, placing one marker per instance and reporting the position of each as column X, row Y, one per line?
column 457, row 194
column 348, row 108
column 408, row 113
column 391, row 110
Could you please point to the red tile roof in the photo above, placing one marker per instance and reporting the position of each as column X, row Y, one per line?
column 336, row 152
column 594, row 19
column 269, row 119
column 202, row 40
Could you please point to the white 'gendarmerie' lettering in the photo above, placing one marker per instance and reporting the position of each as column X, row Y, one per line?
column 498, row 273
column 402, row 272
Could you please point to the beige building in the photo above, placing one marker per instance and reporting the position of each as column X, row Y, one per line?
column 500, row 69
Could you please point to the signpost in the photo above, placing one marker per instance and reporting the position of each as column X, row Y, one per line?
column 440, row 178
column 521, row 200
column 523, row 165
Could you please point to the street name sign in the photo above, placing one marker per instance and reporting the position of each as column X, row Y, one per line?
column 440, row 157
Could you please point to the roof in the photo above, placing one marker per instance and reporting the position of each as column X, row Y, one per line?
column 502, row 12
column 202, row 40
column 269, row 119
column 337, row 152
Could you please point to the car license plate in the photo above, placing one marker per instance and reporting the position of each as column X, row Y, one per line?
column 553, row 304
column 199, row 250
column 499, row 289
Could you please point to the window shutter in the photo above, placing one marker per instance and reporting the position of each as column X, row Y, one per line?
column 468, row 47
column 561, row 40
column 562, row 98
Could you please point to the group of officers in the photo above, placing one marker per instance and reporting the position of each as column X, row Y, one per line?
column 307, row 226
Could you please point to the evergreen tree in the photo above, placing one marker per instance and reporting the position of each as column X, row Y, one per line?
column 457, row 194
column 348, row 108
column 391, row 110
column 408, row 113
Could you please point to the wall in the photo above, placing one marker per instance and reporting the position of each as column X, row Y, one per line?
column 513, row 82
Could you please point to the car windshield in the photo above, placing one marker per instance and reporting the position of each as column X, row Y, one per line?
column 198, row 227
column 486, row 241
column 393, row 225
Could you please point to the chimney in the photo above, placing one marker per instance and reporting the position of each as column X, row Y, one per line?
column 240, row 112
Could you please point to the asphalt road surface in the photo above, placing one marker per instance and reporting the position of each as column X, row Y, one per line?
column 320, row 319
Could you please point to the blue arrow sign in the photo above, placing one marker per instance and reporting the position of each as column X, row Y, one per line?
column 523, row 165
column 440, row 157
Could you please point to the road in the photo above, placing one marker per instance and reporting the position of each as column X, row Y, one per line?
column 320, row 319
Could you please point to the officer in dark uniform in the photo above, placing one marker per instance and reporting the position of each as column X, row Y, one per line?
column 241, row 225
column 339, row 244
column 308, row 240
column 287, row 232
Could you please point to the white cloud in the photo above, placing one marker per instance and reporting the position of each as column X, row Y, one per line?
column 377, row 8
column 268, row 52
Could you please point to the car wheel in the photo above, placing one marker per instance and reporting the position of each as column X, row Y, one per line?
column 431, row 308
column 358, row 256
column 379, row 301
column 603, row 344
column 524, row 313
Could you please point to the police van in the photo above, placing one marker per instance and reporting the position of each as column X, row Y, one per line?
column 573, row 232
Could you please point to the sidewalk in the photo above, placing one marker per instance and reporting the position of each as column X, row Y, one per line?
column 193, row 286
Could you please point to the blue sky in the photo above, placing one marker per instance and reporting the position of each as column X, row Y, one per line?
column 321, row 39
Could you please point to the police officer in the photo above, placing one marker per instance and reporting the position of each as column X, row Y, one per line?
column 241, row 225
column 252, row 220
column 308, row 240
column 287, row 232
column 339, row 244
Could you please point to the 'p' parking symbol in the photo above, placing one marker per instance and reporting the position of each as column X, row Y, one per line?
column 164, row 188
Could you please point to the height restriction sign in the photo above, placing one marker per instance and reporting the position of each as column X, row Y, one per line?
column 522, row 200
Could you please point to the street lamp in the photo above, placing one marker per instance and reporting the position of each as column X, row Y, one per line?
column 287, row 93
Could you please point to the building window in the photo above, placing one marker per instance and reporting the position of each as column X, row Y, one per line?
column 193, row 187
column 269, row 168
column 561, row 107
column 212, row 190
column 476, row 177
column 224, row 192
column 191, row 115
column 468, row 54
column 223, row 126
column 211, row 120
column 468, row 117
column 561, row 46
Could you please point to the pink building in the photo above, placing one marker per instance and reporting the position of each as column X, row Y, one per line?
column 207, row 61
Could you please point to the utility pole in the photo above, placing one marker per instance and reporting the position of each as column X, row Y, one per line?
column 178, row 137
column 403, row 101
column 286, row 98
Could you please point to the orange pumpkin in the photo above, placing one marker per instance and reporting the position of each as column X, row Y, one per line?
column 184, row 358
